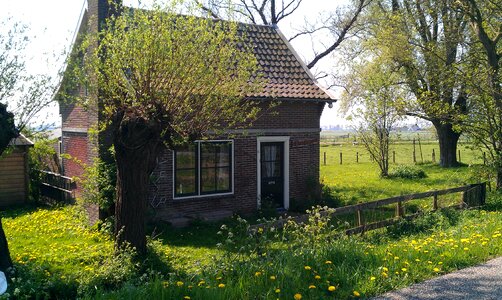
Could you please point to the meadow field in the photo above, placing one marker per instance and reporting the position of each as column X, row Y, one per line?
column 57, row 255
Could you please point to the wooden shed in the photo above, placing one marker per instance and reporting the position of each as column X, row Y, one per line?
column 14, row 176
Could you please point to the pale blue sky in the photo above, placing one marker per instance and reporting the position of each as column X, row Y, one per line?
column 53, row 22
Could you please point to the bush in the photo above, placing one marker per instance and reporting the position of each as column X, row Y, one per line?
column 407, row 172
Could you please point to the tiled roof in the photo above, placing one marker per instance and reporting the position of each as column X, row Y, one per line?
column 285, row 75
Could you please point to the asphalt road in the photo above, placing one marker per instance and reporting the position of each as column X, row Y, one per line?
column 479, row 282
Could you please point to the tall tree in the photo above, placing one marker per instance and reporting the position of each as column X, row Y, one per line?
column 485, row 78
column 375, row 99
column 425, row 41
column 163, row 79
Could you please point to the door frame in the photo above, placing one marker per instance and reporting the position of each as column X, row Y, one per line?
column 273, row 139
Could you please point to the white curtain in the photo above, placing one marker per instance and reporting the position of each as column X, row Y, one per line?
column 270, row 153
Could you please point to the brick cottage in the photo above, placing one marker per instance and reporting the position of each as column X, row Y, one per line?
column 275, row 160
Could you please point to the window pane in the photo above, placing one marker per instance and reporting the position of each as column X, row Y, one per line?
column 185, row 173
column 223, row 179
column 215, row 154
column 185, row 157
column 185, row 182
column 208, row 182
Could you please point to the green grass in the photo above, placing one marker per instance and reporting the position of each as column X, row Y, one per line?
column 360, row 182
column 57, row 256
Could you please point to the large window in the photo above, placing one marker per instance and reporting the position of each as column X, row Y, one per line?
column 203, row 168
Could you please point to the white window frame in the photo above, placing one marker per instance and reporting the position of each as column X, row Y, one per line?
column 272, row 139
column 199, row 175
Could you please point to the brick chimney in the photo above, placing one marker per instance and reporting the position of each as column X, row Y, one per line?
column 99, row 10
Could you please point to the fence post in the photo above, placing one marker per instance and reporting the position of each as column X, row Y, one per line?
column 324, row 158
column 394, row 156
column 433, row 156
column 341, row 157
column 414, row 152
column 435, row 205
column 360, row 220
column 459, row 159
column 484, row 158
column 399, row 209
column 357, row 157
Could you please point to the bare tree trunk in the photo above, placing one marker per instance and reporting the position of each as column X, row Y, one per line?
column 5, row 260
column 137, row 145
column 448, row 140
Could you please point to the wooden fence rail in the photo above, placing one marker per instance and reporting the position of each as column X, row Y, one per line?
column 56, row 186
column 472, row 195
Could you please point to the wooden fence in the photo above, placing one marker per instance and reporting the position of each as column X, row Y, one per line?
column 56, row 187
column 473, row 195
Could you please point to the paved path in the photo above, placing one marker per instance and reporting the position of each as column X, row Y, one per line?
column 476, row 283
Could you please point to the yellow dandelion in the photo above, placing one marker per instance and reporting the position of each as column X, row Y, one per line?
column 308, row 268
column 436, row 269
column 328, row 262
column 257, row 274
column 221, row 285
column 297, row 296
column 317, row 277
column 202, row 282
column 356, row 293
column 331, row 288
column 312, row 286
column 179, row 283
column 404, row 269
column 187, row 298
column 372, row 278
column 277, row 291
column 272, row 278
column 385, row 275
column 385, row 269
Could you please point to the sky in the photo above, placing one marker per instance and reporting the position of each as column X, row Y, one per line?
column 52, row 24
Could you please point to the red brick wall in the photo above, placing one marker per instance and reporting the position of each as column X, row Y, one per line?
column 303, row 166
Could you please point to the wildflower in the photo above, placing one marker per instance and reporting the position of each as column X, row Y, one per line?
column 308, row 268
column 179, row 283
column 272, row 277
column 312, row 286
column 221, row 285
column 385, row 269
column 404, row 269
column 187, row 298
column 385, row 275
column 436, row 269
column 218, row 278
column 257, row 274
column 202, row 282
column 298, row 296
column 372, row 278
column 277, row 291
column 328, row 262
column 356, row 293
column 317, row 277
column 331, row 288
column 165, row 284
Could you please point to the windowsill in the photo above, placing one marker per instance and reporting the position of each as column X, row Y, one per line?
column 203, row 196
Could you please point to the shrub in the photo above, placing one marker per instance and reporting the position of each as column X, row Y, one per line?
column 407, row 172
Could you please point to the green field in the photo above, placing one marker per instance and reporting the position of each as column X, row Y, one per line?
column 360, row 181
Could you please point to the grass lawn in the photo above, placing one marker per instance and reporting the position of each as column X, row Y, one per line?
column 57, row 256
column 360, row 182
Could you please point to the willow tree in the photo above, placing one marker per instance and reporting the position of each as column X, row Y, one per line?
column 425, row 40
column 162, row 79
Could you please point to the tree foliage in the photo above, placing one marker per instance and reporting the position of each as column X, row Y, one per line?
column 163, row 79
column 484, row 122
column 376, row 100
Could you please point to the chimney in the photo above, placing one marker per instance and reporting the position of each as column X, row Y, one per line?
column 99, row 10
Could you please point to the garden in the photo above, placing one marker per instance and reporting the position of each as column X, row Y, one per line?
column 57, row 255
